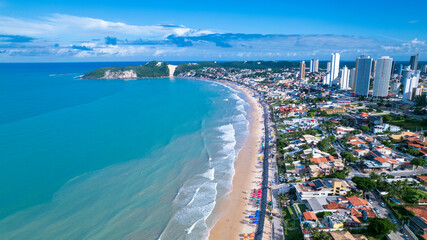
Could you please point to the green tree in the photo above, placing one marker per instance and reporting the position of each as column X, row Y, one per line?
column 413, row 152
column 414, row 195
column 321, row 235
column 380, row 227
column 364, row 183
column 418, row 162
column 348, row 156
column 420, row 101
column 364, row 128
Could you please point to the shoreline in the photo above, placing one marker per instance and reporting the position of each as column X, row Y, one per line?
column 233, row 209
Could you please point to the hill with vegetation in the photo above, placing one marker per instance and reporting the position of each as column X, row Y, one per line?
column 186, row 67
column 148, row 70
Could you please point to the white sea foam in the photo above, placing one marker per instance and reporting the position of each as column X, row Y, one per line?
column 209, row 174
column 194, row 196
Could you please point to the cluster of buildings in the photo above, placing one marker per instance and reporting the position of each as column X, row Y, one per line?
column 327, row 207
column 387, row 79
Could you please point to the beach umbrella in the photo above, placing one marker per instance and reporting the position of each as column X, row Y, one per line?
column 245, row 235
column 251, row 216
column 252, row 234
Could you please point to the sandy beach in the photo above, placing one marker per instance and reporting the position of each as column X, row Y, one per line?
column 235, row 208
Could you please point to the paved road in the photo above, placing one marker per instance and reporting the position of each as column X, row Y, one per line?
column 385, row 212
column 260, row 228
column 276, row 228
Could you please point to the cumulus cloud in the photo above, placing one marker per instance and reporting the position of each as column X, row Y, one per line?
column 61, row 35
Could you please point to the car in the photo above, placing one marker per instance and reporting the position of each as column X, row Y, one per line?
column 376, row 209
column 382, row 204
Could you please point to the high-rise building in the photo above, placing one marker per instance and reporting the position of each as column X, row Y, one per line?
column 399, row 70
column 311, row 65
column 374, row 65
column 363, row 76
column 394, row 88
column 302, row 70
column 314, row 65
column 424, row 68
column 326, row 79
column 393, row 67
column 410, row 80
column 382, row 76
column 335, row 67
column 344, row 78
column 353, row 86
column 406, row 73
column 352, row 80
column 328, row 66
column 414, row 62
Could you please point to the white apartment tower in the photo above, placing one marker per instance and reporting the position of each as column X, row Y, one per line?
column 345, row 78
column 335, row 66
column 382, row 76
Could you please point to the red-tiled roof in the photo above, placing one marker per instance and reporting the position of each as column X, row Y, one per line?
column 319, row 160
column 335, row 205
column 356, row 201
column 310, row 216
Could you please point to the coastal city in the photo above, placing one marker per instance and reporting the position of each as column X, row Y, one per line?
column 344, row 148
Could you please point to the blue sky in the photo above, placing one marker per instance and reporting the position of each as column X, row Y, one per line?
column 48, row 30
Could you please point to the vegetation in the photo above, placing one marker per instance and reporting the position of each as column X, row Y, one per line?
column 320, row 235
column 418, row 162
column 414, row 195
column 364, row 183
column 237, row 65
column 403, row 122
column 379, row 227
column 348, row 156
column 151, row 69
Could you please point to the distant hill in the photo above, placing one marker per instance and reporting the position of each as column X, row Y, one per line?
column 148, row 70
column 239, row 65
column 158, row 69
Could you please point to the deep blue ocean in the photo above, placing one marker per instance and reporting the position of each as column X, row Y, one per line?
column 113, row 159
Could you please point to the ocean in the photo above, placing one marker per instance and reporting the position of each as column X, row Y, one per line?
column 113, row 159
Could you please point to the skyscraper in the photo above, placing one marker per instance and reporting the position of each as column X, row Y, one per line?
column 335, row 66
column 328, row 66
column 353, row 86
column 302, row 70
column 410, row 79
column 352, row 80
column 344, row 78
column 374, row 65
column 314, row 65
column 311, row 65
column 399, row 70
column 382, row 76
column 393, row 67
column 414, row 62
column 363, row 75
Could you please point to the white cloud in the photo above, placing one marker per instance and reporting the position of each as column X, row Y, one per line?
column 67, row 36
column 59, row 25
column 413, row 21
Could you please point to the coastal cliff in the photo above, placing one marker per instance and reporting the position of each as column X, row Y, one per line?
column 149, row 70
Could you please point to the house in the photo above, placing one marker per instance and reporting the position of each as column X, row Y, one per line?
column 383, row 150
column 361, row 152
column 321, row 187
column 345, row 235
column 310, row 139
column 344, row 130
column 418, row 225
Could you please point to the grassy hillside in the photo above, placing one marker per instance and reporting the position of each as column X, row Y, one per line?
column 150, row 69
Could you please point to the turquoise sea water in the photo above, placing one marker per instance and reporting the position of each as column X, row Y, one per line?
column 98, row 159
